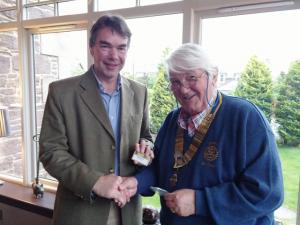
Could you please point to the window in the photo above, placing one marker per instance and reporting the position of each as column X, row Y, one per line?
column 155, row 24
column 233, row 40
column 149, row 40
column 56, row 56
column 272, row 37
column 10, row 99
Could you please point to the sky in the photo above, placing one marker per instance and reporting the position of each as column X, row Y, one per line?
column 150, row 37
column 273, row 37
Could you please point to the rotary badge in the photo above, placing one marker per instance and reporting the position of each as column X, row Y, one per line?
column 211, row 153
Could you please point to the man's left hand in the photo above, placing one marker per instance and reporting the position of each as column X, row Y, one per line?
column 181, row 202
column 144, row 149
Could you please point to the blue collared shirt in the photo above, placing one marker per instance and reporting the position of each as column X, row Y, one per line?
column 112, row 104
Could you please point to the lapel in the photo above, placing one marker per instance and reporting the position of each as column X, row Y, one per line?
column 126, row 104
column 90, row 96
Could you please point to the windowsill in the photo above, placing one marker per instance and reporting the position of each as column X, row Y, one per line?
column 22, row 197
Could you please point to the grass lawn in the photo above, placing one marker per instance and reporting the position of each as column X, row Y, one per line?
column 290, row 159
column 152, row 201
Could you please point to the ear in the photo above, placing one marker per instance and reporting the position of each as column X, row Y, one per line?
column 91, row 51
column 214, row 79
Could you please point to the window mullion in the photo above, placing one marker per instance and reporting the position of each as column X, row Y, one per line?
column 28, row 148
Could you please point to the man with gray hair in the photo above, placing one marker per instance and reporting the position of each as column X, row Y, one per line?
column 215, row 156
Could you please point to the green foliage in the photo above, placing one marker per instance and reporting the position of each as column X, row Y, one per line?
column 162, row 100
column 287, row 108
column 255, row 84
column 151, row 81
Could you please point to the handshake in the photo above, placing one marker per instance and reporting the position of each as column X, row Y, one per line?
column 120, row 189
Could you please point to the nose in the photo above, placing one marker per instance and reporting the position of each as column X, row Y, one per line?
column 113, row 53
column 184, row 88
column 185, row 84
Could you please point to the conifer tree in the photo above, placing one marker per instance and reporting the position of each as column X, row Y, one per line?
column 287, row 107
column 162, row 99
column 255, row 84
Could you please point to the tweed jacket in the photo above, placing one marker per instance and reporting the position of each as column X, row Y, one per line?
column 77, row 146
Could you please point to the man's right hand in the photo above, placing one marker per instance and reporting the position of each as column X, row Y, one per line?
column 128, row 188
column 108, row 187
column 129, row 185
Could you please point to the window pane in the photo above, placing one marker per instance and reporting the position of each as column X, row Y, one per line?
column 102, row 5
column 274, row 39
column 149, row 40
column 151, row 43
column 10, row 98
column 72, row 7
column 152, row 2
column 41, row 11
column 34, row 10
column 8, row 16
column 56, row 56
column 35, row 1
column 8, row 11
column 6, row 4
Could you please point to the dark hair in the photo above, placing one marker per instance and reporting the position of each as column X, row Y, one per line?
column 116, row 23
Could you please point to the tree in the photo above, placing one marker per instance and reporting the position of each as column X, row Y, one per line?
column 162, row 100
column 255, row 84
column 147, row 79
column 287, row 107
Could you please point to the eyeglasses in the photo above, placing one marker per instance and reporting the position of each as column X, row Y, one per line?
column 190, row 80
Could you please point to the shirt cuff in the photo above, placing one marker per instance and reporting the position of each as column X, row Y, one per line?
column 93, row 197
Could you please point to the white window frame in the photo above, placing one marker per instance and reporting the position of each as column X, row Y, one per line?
column 193, row 11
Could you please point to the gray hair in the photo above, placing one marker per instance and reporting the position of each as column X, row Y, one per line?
column 190, row 57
